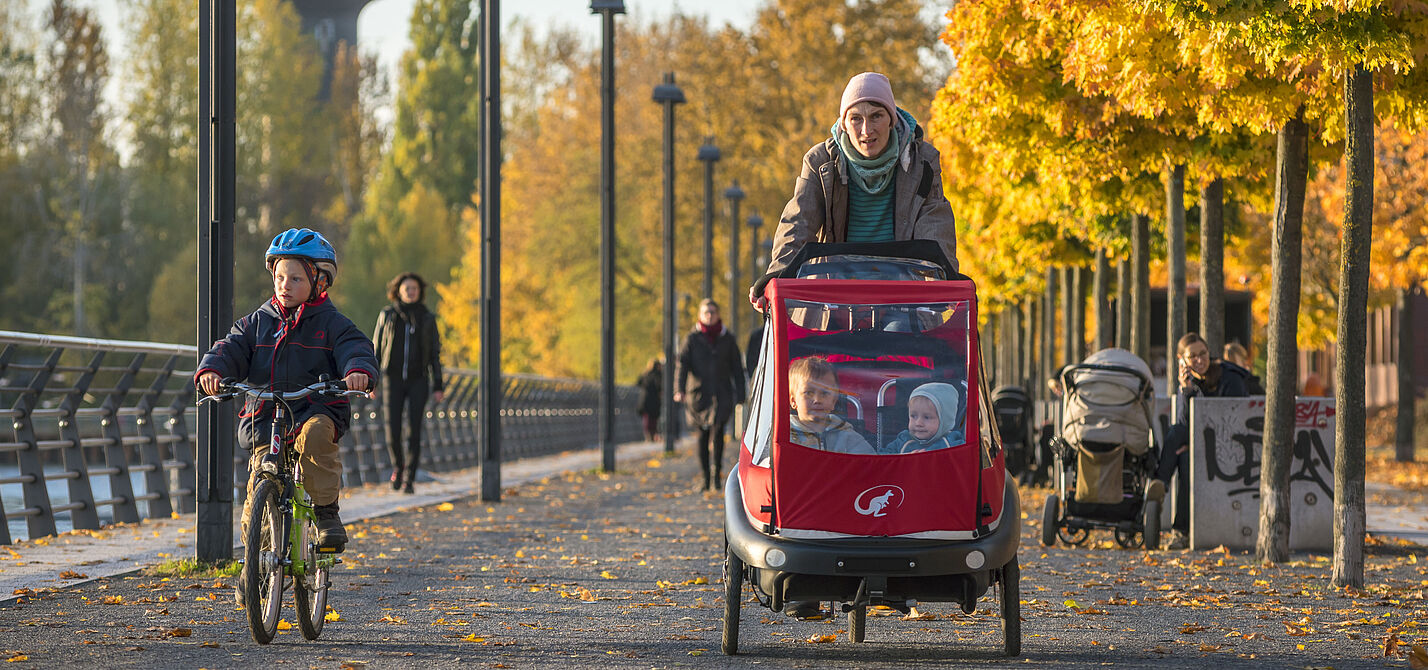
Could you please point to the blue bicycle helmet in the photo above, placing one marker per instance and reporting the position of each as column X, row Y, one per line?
column 306, row 244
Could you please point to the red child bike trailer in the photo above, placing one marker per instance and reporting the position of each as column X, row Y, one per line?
column 903, row 522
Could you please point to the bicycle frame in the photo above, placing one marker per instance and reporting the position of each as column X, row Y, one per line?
column 294, row 503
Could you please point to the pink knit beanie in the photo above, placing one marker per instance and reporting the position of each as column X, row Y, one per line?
column 868, row 87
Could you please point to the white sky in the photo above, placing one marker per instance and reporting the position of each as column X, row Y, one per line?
column 382, row 26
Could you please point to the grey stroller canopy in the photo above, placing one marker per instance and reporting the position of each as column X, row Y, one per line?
column 1107, row 402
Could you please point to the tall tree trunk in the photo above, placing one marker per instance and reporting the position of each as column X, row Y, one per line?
column 1048, row 334
column 1212, row 265
column 998, row 346
column 1014, row 368
column 1105, row 335
column 1078, row 314
column 1291, row 173
column 1175, row 258
column 1407, row 390
column 1068, row 315
column 1349, row 400
column 1029, row 351
column 1140, row 287
column 1123, row 304
column 81, row 328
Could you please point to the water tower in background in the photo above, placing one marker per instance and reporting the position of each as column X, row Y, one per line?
column 330, row 21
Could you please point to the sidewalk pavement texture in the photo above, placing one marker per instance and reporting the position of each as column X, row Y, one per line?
column 593, row 570
column 123, row 548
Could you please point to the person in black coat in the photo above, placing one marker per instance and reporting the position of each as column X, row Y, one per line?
column 710, row 382
column 651, row 385
column 1200, row 376
column 409, row 352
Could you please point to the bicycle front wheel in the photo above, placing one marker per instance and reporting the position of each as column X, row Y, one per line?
column 262, row 562
column 310, row 589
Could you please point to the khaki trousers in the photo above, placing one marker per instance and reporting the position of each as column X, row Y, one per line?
column 317, row 457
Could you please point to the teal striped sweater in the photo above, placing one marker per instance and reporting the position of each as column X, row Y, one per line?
column 870, row 216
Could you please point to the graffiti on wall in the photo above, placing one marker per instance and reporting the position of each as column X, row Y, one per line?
column 1226, row 440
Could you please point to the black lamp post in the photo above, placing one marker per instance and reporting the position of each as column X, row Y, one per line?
column 607, row 9
column 755, row 222
column 708, row 155
column 489, row 414
column 669, row 95
column 734, row 194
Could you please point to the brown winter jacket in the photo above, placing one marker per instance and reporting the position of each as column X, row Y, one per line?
column 818, row 211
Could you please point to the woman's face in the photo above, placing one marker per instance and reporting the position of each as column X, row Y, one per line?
column 409, row 291
column 868, row 125
column 709, row 314
column 1197, row 357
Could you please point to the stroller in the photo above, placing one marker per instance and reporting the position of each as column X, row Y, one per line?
column 1105, row 454
column 1012, row 407
column 868, row 529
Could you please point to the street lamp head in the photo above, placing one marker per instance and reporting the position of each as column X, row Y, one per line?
column 612, row 6
column 667, row 92
column 755, row 221
column 734, row 192
column 708, row 152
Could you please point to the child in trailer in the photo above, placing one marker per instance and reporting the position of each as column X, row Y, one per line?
column 813, row 391
column 290, row 342
column 932, row 418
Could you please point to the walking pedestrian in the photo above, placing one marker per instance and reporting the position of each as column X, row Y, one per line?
column 651, row 385
column 409, row 352
column 710, row 382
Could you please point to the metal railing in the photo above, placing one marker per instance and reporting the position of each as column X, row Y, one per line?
column 101, row 430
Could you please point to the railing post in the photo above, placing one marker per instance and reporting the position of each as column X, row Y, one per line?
column 35, row 489
column 156, row 481
column 125, row 504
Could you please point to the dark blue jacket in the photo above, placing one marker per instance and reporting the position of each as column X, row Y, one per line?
column 294, row 347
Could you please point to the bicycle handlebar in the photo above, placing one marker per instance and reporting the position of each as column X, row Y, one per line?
column 234, row 388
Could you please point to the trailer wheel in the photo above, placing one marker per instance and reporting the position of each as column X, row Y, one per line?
column 733, row 593
column 1010, row 588
column 858, row 623
column 1050, row 513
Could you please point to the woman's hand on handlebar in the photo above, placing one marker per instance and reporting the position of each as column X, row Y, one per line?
column 209, row 382
column 357, row 381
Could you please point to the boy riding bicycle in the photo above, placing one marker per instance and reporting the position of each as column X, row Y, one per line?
column 291, row 341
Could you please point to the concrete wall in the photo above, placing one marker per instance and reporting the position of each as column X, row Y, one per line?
column 1226, row 435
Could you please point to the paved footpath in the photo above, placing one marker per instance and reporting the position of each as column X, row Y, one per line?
column 587, row 570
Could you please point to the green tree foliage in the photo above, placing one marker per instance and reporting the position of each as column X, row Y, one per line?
column 434, row 149
column 162, row 117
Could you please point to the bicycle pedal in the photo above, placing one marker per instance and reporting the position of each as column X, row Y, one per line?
column 330, row 550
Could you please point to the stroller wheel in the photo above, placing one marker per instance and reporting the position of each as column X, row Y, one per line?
column 1127, row 539
column 1152, row 525
column 1050, row 518
column 1073, row 536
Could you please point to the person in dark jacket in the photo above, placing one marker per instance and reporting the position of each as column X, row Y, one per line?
column 1200, row 376
column 409, row 351
column 754, row 351
column 288, row 343
column 1236, row 354
column 710, row 381
column 651, row 383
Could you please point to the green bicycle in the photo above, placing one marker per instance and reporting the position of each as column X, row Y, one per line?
column 279, row 526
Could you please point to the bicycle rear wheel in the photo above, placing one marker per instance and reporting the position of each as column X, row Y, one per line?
column 262, row 563
column 310, row 589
